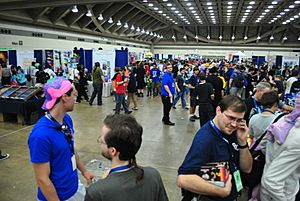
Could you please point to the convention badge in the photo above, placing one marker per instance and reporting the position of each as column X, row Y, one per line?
column 238, row 181
column 73, row 159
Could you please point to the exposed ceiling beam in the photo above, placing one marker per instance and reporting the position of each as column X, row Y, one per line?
column 119, row 16
column 202, row 13
column 132, row 23
column 94, row 19
column 72, row 19
column 111, row 11
column 128, row 18
column 37, row 13
column 59, row 13
column 25, row 4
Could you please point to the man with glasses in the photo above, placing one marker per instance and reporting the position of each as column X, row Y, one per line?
column 120, row 141
column 51, row 145
column 223, row 139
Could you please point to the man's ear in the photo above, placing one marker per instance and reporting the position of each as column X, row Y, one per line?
column 218, row 110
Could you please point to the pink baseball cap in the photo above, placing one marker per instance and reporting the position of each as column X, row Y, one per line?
column 54, row 89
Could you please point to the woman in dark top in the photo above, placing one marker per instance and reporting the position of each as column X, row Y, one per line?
column 131, row 89
column 140, row 78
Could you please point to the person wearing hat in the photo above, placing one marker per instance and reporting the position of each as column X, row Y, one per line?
column 51, row 145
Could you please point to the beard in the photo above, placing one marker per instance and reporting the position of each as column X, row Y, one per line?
column 106, row 155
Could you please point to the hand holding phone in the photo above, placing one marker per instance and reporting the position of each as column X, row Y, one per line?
column 242, row 132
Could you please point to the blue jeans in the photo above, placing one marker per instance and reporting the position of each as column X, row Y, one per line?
column 120, row 99
column 182, row 96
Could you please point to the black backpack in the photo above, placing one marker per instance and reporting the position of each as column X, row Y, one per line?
column 238, row 80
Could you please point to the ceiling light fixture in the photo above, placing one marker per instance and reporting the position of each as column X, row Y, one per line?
column 143, row 31
column 160, row 12
column 274, row 2
column 184, row 37
column 89, row 13
column 286, row 10
column 297, row 2
column 110, row 21
column 252, row 2
column 150, row 4
column 258, row 38
column 196, row 37
column 119, row 23
column 138, row 29
column 220, row 37
column 154, row 35
column 191, row 8
column 299, row 38
column 132, row 27
column 188, row 4
column 173, row 8
column 147, row 32
column 151, row 34
column 272, row 38
column 100, row 17
column 126, row 25
column 169, row 4
column 292, row 6
column 74, row 9
column 209, row 3
column 245, row 38
column 208, row 37
column 283, row 22
column 230, row 3
column 233, row 37
column 270, row 7
column 229, row 7
column 285, row 38
column 209, row 7
column 173, row 37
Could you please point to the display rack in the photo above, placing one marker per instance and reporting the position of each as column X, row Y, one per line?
column 18, row 92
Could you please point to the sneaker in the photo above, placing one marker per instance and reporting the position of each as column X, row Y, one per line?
column 195, row 117
column 135, row 108
column 174, row 107
column 186, row 108
column 169, row 123
column 192, row 119
column 128, row 112
column 5, row 156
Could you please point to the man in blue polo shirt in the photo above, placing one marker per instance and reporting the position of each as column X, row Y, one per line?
column 51, row 145
column 223, row 139
column 167, row 93
column 155, row 75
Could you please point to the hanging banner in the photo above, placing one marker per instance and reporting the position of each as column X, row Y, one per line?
column 289, row 61
column 106, row 58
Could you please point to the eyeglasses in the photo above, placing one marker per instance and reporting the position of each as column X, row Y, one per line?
column 231, row 118
column 99, row 140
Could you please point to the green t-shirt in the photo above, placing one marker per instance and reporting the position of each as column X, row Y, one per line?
column 97, row 76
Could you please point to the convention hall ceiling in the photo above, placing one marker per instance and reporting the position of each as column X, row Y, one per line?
column 167, row 22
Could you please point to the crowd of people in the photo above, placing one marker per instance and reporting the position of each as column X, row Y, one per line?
column 249, row 116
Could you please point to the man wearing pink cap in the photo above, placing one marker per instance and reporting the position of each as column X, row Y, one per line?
column 51, row 144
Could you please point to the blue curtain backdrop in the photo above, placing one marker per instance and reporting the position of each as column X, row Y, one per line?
column 261, row 60
column 38, row 54
column 121, row 58
column 81, row 56
column 255, row 59
column 156, row 56
column 12, row 57
column 235, row 57
column 88, row 62
column 278, row 63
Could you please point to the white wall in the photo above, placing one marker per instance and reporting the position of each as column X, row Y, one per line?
column 224, row 51
column 34, row 43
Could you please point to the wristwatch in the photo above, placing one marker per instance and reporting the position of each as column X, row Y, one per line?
column 243, row 147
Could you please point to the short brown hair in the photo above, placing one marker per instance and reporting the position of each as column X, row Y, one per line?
column 235, row 103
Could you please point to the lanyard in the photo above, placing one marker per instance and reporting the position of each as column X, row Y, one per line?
column 258, row 108
column 120, row 168
column 218, row 132
column 65, row 130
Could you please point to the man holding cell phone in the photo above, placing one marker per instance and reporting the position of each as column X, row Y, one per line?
column 222, row 139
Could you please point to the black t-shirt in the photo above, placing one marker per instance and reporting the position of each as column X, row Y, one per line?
column 180, row 81
column 217, row 85
column 203, row 93
column 140, row 74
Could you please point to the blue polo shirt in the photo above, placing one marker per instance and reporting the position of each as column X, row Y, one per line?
column 48, row 144
column 167, row 79
column 208, row 147
column 155, row 74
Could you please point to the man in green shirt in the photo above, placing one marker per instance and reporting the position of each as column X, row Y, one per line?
column 98, row 80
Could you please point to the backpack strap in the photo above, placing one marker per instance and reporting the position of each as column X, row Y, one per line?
column 263, row 135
